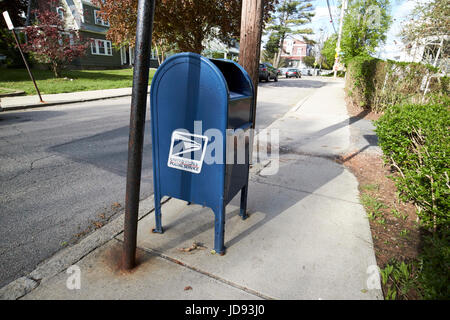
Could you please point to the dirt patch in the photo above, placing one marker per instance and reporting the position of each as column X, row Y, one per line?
column 112, row 259
column 395, row 231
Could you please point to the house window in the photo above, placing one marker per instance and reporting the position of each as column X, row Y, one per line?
column 101, row 47
column 99, row 20
column 62, row 40
column 60, row 12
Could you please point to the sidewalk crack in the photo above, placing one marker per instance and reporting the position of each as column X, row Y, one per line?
column 208, row 274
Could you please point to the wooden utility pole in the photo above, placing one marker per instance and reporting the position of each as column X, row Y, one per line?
column 250, row 42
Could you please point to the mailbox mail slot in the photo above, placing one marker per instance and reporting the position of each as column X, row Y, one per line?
column 199, row 107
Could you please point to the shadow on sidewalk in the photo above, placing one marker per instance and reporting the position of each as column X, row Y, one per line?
column 299, row 177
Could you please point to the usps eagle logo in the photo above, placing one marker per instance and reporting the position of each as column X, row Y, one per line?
column 187, row 151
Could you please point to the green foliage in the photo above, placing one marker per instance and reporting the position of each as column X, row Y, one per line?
column 71, row 80
column 434, row 267
column 376, row 84
column 425, row 278
column 309, row 61
column 373, row 206
column 16, row 10
column 416, row 142
column 329, row 50
column 271, row 47
column 360, row 82
column 365, row 27
column 217, row 54
column 399, row 279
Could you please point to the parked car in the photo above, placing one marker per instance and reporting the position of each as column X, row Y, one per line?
column 267, row 72
column 283, row 71
column 293, row 73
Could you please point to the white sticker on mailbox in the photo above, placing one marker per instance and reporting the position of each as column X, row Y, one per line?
column 187, row 151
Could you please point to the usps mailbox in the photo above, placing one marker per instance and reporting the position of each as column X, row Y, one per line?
column 201, row 111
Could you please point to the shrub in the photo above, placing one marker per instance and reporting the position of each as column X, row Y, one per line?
column 416, row 142
column 360, row 80
column 434, row 265
column 376, row 84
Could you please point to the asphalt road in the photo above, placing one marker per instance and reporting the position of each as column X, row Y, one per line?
column 63, row 170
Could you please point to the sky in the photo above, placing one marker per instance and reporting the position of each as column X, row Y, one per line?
column 322, row 26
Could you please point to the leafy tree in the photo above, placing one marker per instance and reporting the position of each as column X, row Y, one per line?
column 365, row 26
column 429, row 24
column 16, row 9
column 328, row 52
column 271, row 47
column 180, row 24
column 309, row 61
column 288, row 16
column 49, row 42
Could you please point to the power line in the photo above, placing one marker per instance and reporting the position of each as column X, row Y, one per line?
column 334, row 8
column 331, row 16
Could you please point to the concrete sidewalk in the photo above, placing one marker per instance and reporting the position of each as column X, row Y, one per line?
column 307, row 236
column 25, row 102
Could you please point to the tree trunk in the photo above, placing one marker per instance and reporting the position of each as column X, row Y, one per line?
column 56, row 69
column 280, row 50
column 157, row 52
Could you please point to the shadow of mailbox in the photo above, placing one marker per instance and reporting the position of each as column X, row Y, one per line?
column 201, row 113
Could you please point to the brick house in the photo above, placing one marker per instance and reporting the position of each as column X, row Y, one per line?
column 294, row 50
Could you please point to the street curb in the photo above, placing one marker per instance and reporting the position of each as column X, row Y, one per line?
column 62, row 102
column 12, row 94
column 297, row 106
column 69, row 256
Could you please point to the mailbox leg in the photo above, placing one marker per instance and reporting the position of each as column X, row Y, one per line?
column 158, row 225
column 219, row 231
column 243, row 211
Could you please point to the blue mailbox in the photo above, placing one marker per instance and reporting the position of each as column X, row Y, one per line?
column 199, row 107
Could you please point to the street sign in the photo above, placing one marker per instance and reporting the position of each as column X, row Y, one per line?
column 8, row 20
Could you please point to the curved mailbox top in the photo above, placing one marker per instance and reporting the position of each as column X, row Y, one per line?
column 190, row 100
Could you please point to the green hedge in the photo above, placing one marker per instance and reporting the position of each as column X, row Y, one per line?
column 376, row 84
column 416, row 142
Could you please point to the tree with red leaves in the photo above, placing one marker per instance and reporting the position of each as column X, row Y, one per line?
column 49, row 42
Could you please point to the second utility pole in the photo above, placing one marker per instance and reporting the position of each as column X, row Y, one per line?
column 338, row 44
